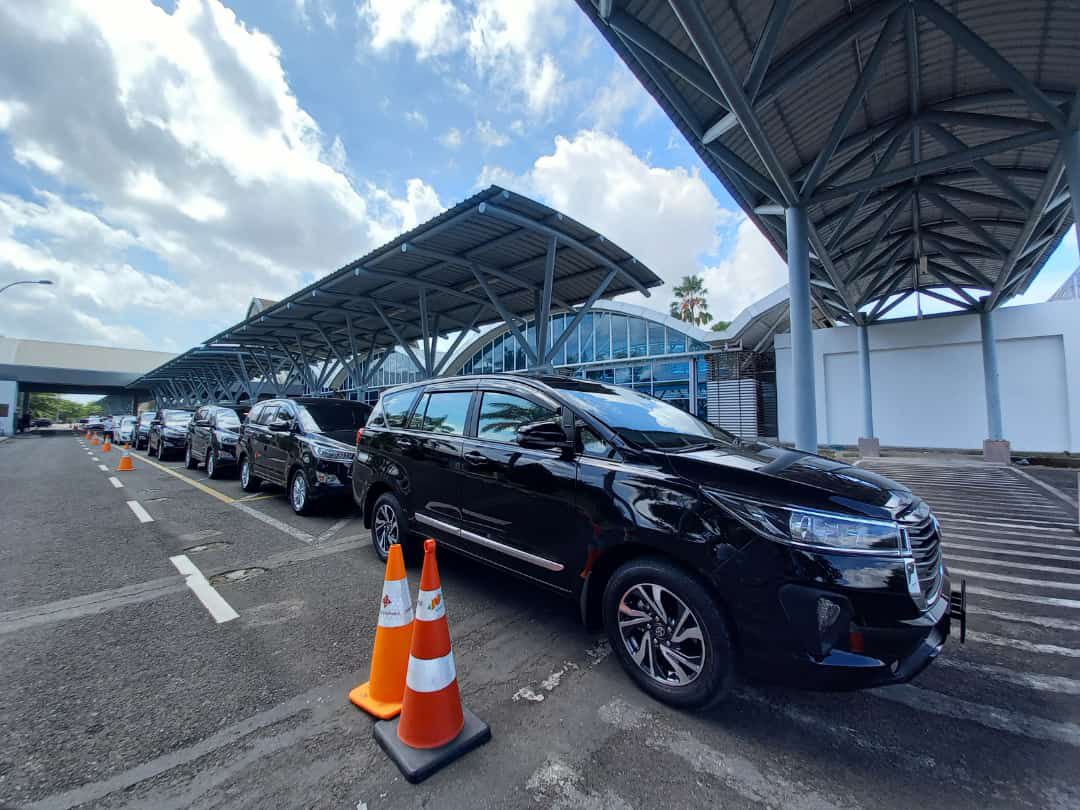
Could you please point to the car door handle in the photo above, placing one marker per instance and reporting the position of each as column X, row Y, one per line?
column 405, row 442
column 475, row 458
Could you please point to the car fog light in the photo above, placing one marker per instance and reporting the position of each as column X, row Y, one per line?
column 827, row 614
column 326, row 478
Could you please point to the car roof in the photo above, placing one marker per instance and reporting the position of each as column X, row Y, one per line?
column 553, row 381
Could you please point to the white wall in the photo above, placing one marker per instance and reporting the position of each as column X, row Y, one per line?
column 928, row 380
column 9, row 395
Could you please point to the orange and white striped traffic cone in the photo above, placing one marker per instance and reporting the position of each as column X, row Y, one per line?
column 125, row 465
column 433, row 728
column 381, row 694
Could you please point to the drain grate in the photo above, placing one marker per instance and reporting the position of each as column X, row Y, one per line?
column 237, row 575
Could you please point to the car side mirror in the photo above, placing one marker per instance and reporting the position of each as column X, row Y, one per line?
column 280, row 425
column 202, row 423
column 543, row 436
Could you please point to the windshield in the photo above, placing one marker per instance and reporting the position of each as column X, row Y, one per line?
column 127, row 421
column 645, row 421
column 325, row 418
column 177, row 418
column 227, row 419
column 146, row 418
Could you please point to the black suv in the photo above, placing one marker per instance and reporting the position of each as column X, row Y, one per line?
column 141, row 433
column 212, row 438
column 168, row 432
column 305, row 445
column 695, row 550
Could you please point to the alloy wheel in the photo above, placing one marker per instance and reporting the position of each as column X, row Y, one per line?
column 385, row 528
column 210, row 463
column 299, row 492
column 662, row 634
column 245, row 473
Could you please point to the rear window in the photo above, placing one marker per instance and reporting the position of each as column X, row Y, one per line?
column 393, row 409
column 326, row 418
column 446, row 412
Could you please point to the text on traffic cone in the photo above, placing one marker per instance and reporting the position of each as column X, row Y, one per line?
column 381, row 695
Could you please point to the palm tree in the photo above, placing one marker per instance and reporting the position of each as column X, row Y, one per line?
column 690, row 304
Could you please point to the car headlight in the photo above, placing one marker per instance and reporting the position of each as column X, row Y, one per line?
column 810, row 528
column 331, row 453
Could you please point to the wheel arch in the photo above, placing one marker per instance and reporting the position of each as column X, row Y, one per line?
column 376, row 489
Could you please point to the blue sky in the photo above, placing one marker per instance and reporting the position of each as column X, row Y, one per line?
column 166, row 162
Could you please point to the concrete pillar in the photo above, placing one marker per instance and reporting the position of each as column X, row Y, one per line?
column 802, row 336
column 995, row 447
column 1070, row 147
column 869, row 446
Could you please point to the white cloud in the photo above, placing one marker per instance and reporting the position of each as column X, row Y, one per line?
column 432, row 27
column 451, row 139
column 416, row 118
column 622, row 93
column 396, row 215
column 489, row 136
column 667, row 218
column 324, row 8
column 509, row 44
column 179, row 134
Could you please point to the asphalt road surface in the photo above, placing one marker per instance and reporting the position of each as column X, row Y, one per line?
column 119, row 689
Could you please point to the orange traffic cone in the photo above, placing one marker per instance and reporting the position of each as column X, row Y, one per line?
column 433, row 728
column 107, row 447
column 381, row 694
column 88, row 434
column 125, row 465
column 94, row 440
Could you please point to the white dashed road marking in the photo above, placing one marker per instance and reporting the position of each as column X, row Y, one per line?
column 102, row 467
column 116, row 482
column 140, row 512
column 302, row 536
column 213, row 601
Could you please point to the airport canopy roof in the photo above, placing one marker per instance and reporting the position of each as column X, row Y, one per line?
column 496, row 257
column 924, row 142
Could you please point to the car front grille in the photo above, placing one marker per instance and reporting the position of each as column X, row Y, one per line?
column 925, row 539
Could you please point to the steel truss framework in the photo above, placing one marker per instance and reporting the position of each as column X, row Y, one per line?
column 494, row 258
column 929, row 147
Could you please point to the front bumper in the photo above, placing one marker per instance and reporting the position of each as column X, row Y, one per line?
column 330, row 479
column 173, row 441
column 861, row 655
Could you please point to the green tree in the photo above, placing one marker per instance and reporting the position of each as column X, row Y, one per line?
column 690, row 304
column 720, row 326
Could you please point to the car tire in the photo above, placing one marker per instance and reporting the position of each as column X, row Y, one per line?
column 212, row 469
column 299, row 493
column 249, row 482
column 678, row 650
column 190, row 462
column 387, row 524
column 149, row 448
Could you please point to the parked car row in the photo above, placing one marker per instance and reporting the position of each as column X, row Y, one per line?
column 696, row 551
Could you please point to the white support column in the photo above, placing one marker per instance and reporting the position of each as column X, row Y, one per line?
column 802, row 335
column 995, row 446
column 869, row 446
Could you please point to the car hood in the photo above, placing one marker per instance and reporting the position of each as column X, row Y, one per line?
column 228, row 435
column 799, row 477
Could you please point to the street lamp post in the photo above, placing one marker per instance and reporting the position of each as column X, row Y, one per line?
column 13, row 283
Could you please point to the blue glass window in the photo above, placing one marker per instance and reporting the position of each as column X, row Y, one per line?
column 623, row 375
column 602, row 333
column 519, row 353
column 588, row 353
column 573, row 355
column 485, row 360
column 667, row 372
column 618, row 336
column 676, row 341
column 497, row 356
column 530, row 334
column 558, row 323
column 656, row 338
column 639, row 342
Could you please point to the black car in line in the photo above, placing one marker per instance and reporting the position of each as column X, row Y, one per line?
column 168, row 432
column 212, row 438
column 141, row 436
column 696, row 551
column 305, row 444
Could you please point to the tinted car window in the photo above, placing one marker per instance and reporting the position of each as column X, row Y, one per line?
column 446, row 412
column 176, row 418
column 502, row 414
column 593, row 444
column 416, row 422
column 395, row 408
column 227, row 419
column 267, row 415
column 645, row 421
column 323, row 418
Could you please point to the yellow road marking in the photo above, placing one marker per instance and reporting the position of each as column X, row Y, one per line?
column 251, row 498
column 197, row 484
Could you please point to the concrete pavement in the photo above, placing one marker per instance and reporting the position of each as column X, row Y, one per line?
column 120, row 690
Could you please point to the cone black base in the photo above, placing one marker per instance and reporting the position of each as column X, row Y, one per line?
column 417, row 764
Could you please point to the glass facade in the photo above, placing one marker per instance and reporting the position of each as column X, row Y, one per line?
column 616, row 348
